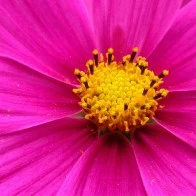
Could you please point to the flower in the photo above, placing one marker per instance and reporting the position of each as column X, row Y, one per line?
column 46, row 148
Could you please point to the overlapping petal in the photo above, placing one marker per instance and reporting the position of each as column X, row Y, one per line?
column 176, row 52
column 189, row 85
column 126, row 24
column 179, row 115
column 165, row 162
column 178, row 55
column 185, row 2
column 29, row 98
column 52, row 37
column 180, row 123
column 37, row 160
column 107, row 168
column 179, row 101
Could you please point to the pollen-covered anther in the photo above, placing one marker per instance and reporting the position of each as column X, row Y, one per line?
column 119, row 96
column 109, row 55
column 163, row 74
column 90, row 66
column 133, row 54
column 95, row 54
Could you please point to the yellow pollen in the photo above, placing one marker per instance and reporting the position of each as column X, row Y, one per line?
column 119, row 96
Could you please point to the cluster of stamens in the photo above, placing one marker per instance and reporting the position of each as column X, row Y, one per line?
column 119, row 96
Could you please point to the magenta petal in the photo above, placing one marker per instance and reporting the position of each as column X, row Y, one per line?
column 28, row 98
column 177, row 50
column 180, row 123
column 37, row 160
column 52, row 37
column 107, row 168
column 179, row 115
column 179, row 101
column 184, row 86
column 165, row 162
column 184, row 2
column 126, row 24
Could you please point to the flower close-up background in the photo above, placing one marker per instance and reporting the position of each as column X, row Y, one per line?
column 47, row 144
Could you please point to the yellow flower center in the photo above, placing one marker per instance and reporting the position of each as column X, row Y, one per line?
column 119, row 96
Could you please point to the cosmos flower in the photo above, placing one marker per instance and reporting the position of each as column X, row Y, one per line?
column 53, row 142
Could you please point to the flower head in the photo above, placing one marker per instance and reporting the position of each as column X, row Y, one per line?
column 120, row 132
column 119, row 96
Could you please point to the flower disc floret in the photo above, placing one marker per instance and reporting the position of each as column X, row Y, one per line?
column 119, row 96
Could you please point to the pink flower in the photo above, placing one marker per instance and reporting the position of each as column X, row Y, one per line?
column 45, row 148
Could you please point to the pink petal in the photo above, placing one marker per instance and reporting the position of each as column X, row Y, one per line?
column 184, row 86
column 180, row 123
column 177, row 50
column 179, row 115
column 179, row 101
column 37, row 160
column 126, row 24
column 165, row 162
column 185, row 2
column 107, row 168
column 52, row 37
column 28, row 98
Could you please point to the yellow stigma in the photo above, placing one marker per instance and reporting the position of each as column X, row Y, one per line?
column 119, row 96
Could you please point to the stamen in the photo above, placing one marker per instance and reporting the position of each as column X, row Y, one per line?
column 163, row 74
column 95, row 53
column 91, row 66
column 123, row 62
column 142, row 69
column 159, row 95
column 84, row 81
column 110, row 52
column 78, row 73
column 145, row 91
column 125, row 106
column 86, row 84
column 133, row 54
column 152, row 83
